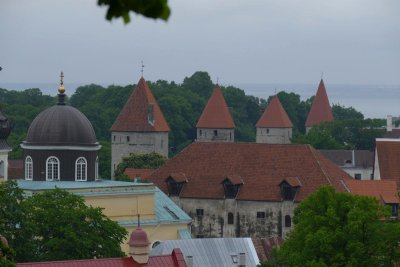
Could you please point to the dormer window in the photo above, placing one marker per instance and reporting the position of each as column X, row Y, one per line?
column 289, row 188
column 232, row 185
column 151, row 114
column 175, row 183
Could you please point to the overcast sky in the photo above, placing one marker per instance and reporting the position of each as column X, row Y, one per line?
column 239, row 41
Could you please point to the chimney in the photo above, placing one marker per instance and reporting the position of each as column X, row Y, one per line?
column 139, row 246
column 389, row 126
column 242, row 259
column 189, row 261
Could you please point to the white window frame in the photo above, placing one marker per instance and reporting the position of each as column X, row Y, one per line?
column 96, row 168
column 48, row 177
column 80, row 174
column 28, row 168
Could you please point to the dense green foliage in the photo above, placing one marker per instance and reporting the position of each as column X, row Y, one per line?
column 56, row 225
column 139, row 161
column 182, row 105
column 156, row 9
column 340, row 229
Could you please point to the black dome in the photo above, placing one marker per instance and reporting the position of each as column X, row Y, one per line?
column 61, row 125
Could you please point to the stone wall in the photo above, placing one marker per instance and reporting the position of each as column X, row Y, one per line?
column 215, row 135
column 247, row 217
column 274, row 135
column 125, row 143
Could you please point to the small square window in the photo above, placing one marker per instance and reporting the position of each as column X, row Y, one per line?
column 215, row 133
column 357, row 176
column 128, row 139
column 261, row 215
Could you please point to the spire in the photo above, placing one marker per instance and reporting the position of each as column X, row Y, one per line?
column 320, row 109
column 216, row 114
column 61, row 90
column 274, row 116
column 141, row 112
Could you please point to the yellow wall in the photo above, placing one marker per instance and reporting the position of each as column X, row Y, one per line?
column 124, row 207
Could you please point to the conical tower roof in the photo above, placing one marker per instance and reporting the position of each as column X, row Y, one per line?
column 135, row 115
column 274, row 116
column 216, row 114
column 320, row 109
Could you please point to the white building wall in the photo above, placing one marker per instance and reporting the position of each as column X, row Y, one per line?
column 214, row 222
column 125, row 143
column 274, row 135
column 4, row 164
column 366, row 173
column 215, row 135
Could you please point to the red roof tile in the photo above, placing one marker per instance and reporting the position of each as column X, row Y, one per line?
column 216, row 114
column 261, row 166
column 389, row 159
column 174, row 260
column 235, row 179
column 383, row 190
column 114, row 262
column 320, row 109
column 133, row 173
column 134, row 116
column 265, row 246
column 292, row 181
column 274, row 116
column 178, row 177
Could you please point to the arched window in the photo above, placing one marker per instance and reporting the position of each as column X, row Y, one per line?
column 80, row 169
column 288, row 221
column 230, row 218
column 53, row 169
column 28, row 168
column 96, row 169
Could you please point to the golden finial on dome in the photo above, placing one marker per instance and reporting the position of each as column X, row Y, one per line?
column 61, row 88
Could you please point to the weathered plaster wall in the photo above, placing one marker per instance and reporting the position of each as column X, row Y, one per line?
column 222, row 135
column 274, row 135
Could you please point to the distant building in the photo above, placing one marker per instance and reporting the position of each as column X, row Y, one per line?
column 359, row 164
column 244, row 189
column 139, row 128
column 392, row 131
column 215, row 123
column 274, row 126
column 387, row 160
column 5, row 130
column 321, row 110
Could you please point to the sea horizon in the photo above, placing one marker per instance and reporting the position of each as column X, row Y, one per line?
column 374, row 101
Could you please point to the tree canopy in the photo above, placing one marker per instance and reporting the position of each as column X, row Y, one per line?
column 139, row 161
column 156, row 9
column 340, row 229
column 56, row 225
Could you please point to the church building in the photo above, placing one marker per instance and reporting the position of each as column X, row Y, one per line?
column 61, row 145
column 139, row 128
column 216, row 123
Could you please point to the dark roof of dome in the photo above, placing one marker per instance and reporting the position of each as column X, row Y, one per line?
column 61, row 125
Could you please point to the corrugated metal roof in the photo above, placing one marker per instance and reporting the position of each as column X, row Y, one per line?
column 218, row 252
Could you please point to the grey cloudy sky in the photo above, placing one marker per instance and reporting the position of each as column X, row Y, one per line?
column 239, row 41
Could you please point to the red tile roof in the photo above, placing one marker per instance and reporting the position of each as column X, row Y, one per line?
column 134, row 116
column 216, row 114
column 293, row 181
column 261, row 166
column 388, row 151
column 174, row 260
column 133, row 173
column 320, row 109
column 383, row 190
column 274, row 116
column 265, row 246
column 114, row 262
column 179, row 177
